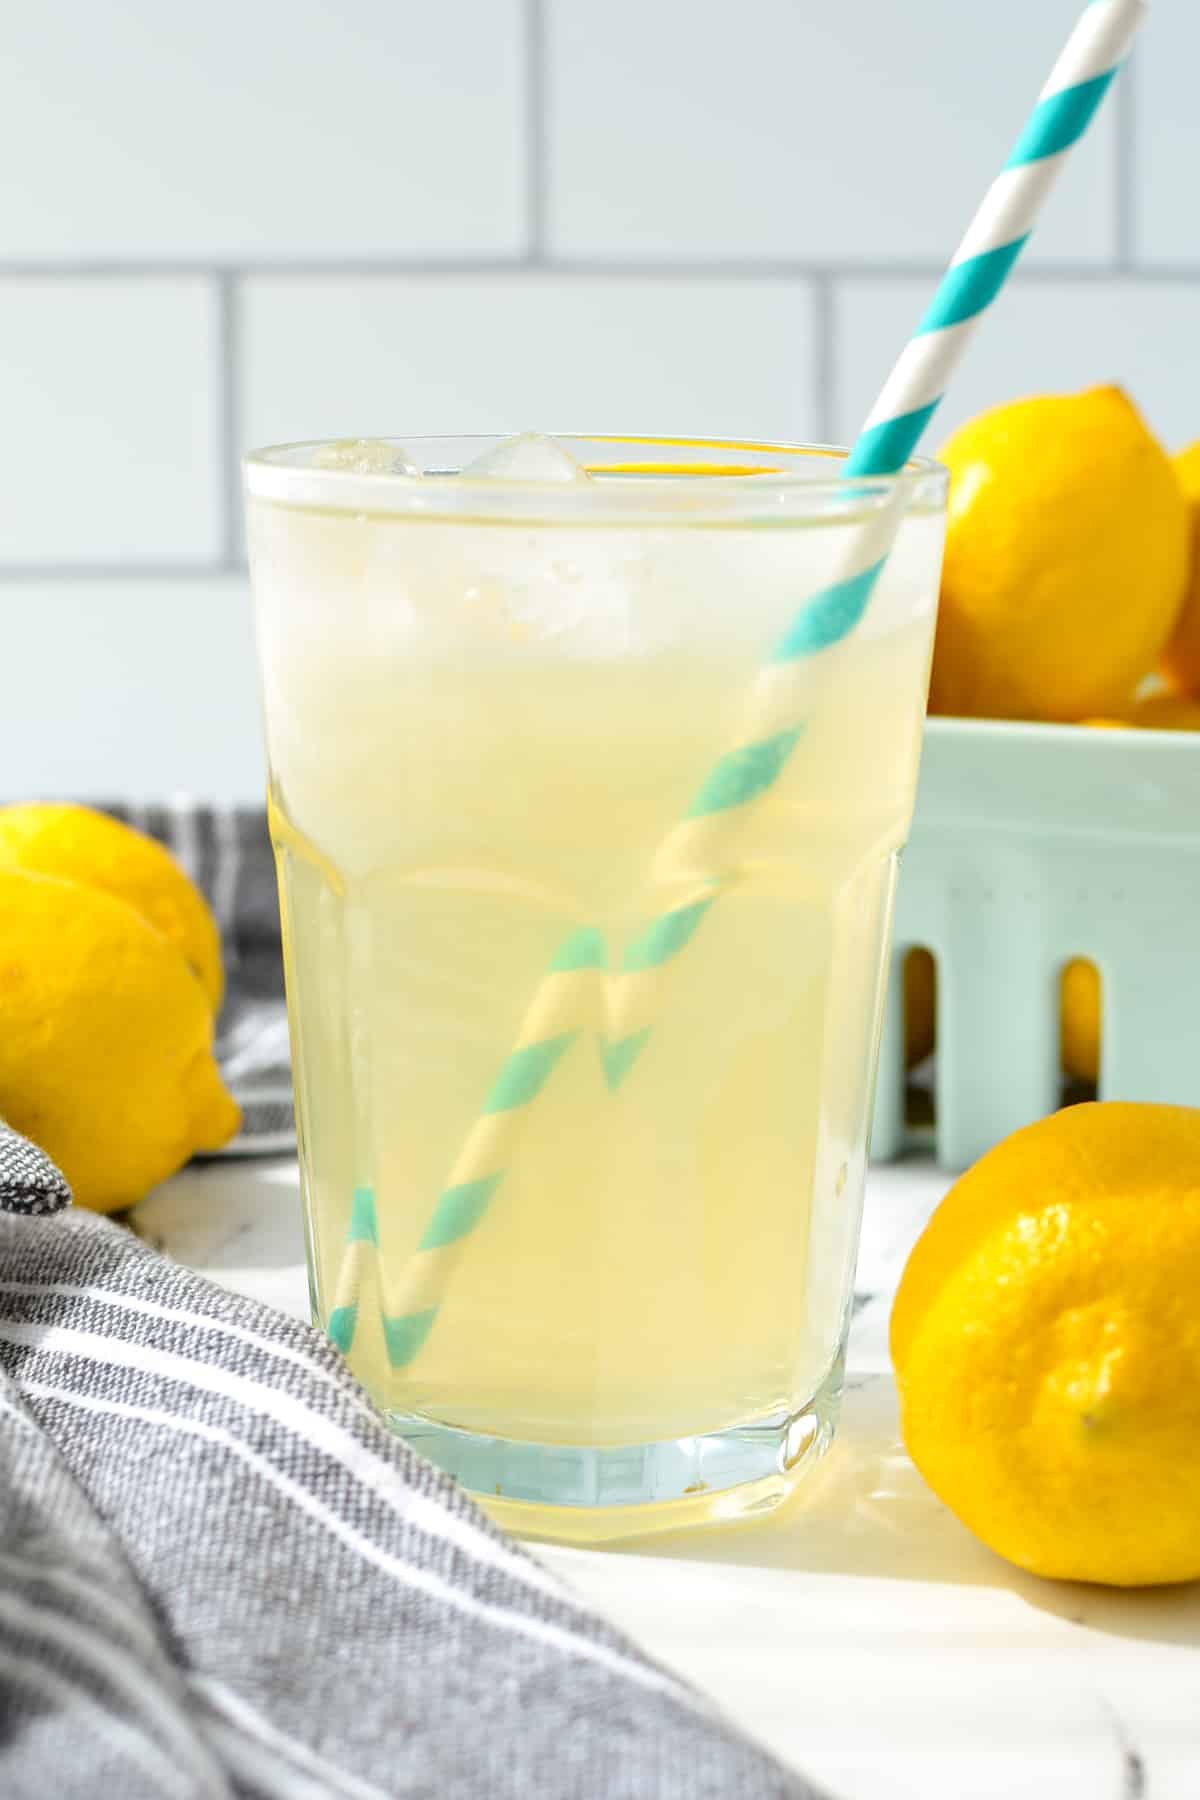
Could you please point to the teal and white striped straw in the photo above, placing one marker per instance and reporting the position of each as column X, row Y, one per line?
column 565, row 1003
column 775, row 716
column 996, row 235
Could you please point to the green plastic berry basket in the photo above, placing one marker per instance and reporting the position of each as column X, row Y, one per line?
column 1030, row 845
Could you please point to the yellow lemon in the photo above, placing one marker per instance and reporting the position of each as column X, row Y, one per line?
column 1181, row 657
column 1166, row 712
column 1079, row 1019
column 1046, row 1341
column 77, row 844
column 106, row 1042
column 1067, row 549
column 920, row 994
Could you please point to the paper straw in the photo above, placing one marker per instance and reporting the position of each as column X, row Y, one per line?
column 566, row 1001
column 707, row 835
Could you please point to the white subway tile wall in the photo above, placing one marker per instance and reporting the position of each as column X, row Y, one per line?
column 262, row 130
column 109, row 434
column 860, row 131
column 1165, row 217
column 237, row 223
column 130, row 688
column 337, row 355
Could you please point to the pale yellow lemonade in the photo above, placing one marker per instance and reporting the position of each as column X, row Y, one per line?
column 478, row 734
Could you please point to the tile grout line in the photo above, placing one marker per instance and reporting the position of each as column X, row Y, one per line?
column 824, row 345
column 578, row 269
column 536, row 157
column 229, row 425
column 1125, row 110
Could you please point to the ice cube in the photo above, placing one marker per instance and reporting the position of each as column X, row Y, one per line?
column 365, row 456
column 528, row 457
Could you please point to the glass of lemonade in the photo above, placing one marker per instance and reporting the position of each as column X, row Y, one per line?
column 584, row 999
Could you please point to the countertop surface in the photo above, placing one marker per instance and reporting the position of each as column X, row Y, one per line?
column 860, row 1631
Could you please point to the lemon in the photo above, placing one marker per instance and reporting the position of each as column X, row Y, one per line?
column 1181, row 658
column 1166, row 712
column 1046, row 1342
column 106, row 1044
column 919, row 1006
column 78, row 844
column 1079, row 1019
column 1066, row 559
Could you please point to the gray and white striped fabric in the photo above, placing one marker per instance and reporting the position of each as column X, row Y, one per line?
column 221, row 1574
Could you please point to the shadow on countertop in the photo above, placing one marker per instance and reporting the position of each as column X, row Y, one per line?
column 866, row 1512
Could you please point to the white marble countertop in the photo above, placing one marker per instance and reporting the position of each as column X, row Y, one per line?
column 860, row 1632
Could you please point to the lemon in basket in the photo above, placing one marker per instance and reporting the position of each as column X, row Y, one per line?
column 1067, row 554
column 1046, row 1342
column 78, row 844
column 1181, row 658
column 920, row 1006
column 1079, row 1019
column 106, row 1048
column 1166, row 712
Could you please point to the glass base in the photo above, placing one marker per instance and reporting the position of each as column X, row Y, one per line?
column 577, row 1495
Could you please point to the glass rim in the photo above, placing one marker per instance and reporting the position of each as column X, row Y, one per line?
column 768, row 487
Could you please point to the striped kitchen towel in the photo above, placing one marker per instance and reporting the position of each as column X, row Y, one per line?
column 227, row 853
column 222, row 1575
